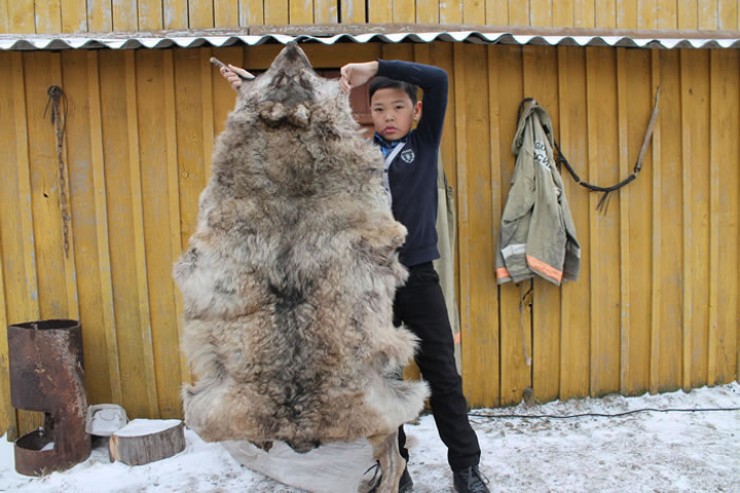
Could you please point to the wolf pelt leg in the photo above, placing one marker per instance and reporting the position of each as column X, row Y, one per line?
column 386, row 453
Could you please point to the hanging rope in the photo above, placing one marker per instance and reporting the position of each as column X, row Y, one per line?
column 57, row 103
column 604, row 201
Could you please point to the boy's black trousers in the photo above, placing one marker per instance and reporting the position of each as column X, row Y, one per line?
column 420, row 305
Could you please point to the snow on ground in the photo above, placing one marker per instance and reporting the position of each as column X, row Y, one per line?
column 651, row 451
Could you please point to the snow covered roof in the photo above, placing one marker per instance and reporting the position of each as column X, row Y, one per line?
column 339, row 33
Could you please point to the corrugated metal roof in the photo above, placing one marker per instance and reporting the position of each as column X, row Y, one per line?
column 213, row 38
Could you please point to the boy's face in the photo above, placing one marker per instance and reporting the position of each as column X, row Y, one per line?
column 393, row 112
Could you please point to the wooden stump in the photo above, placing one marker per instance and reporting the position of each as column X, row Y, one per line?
column 143, row 441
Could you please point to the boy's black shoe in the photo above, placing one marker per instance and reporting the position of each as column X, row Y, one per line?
column 405, row 485
column 470, row 480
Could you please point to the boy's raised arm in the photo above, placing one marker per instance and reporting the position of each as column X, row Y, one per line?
column 355, row 74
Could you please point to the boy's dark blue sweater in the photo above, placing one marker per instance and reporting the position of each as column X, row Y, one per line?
column 413, row 172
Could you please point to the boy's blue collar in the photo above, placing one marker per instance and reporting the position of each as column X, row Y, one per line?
column 386, row 146
column 387, row 143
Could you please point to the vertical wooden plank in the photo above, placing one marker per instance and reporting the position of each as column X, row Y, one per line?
column 519, row 13
column 626, row 14
column 301, row 12
column 189, row 138
column 173, row 192
column 667, row 17
column 200, row 14
column 21, row 19
column 99, row 15
column 125, row 16
column 673, row 222
column 478, row 312
column 605, row 16
column 695, row 140
column 647, row 14
column 656, row 299
column 137, row 215
column 688, row 14
column 404, row 11
column 226, row 13
column 688, row 228
column 714, row 215
column 450, row 13
column 74, row 16
column 575, row 324
column 352, row 11
column 707, row 15
column 638, row 234
column 493, row 334
column 400, row 51
column 474, row 12
column 463, row 213
column 427, row 11
column 152, row 101
column 4, row 18
column 541, row 13
column 276, row 12
column 102, row 237
column 540, row 82
column 515, row 320
column 175, row 14
column 379, row 11
column 725, row 213
column 48, row 16
column 727, row 13
column 584, row 13
column 603, row 154
column 150, row 15
column 497, row 12
column 326, row 12
column 624, row 225
column 562, row 13
column 251, row 13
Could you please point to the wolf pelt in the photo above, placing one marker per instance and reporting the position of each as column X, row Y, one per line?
column 289, row 278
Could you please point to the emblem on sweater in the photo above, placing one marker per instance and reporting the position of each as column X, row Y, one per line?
column 540, row 154
column 408, row 156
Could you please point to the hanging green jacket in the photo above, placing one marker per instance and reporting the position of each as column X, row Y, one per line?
column 537, row 231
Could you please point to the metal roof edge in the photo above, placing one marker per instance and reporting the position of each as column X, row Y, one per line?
column 365, row 33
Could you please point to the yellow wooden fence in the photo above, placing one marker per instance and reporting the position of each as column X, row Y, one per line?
column 656, row 307
column 54, row 16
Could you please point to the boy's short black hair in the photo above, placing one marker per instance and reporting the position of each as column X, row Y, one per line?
column 381, row 82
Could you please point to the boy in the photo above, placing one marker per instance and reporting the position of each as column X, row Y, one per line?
column 411, row 171
column 411, row 185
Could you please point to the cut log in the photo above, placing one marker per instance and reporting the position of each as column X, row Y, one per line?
column 143, row 441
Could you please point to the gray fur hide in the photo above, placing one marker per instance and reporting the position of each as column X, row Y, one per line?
column 289, row 278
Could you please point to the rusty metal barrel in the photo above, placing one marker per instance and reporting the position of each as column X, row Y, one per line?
column 47, row 375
